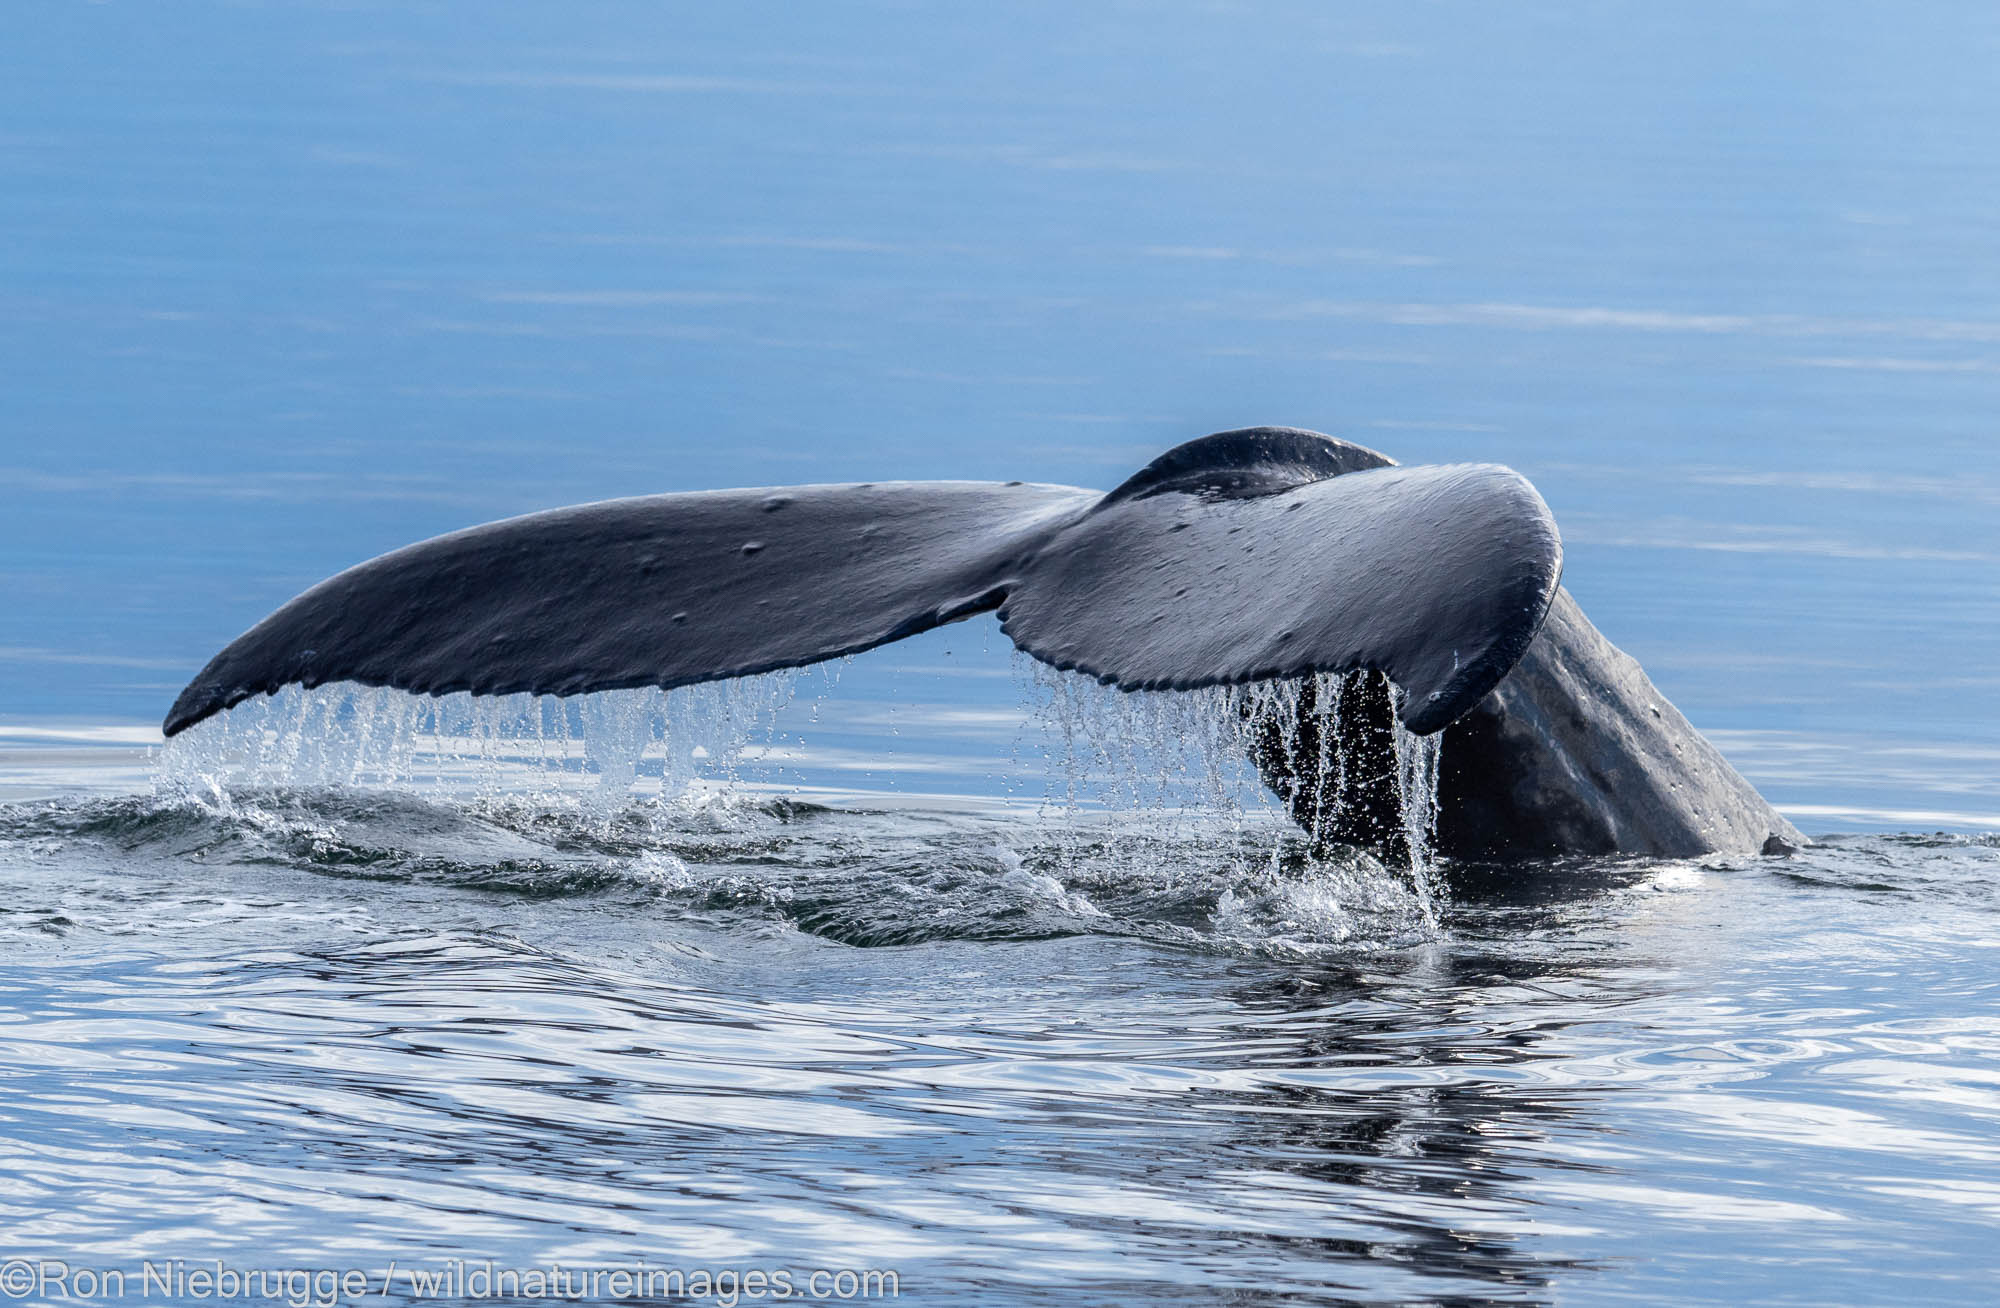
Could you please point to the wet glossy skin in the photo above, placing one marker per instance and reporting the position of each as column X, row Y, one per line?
column 1247, row 555
column 1242, row 556
column 1574, row 752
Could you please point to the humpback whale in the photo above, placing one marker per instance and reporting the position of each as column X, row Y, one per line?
column 1248, row 555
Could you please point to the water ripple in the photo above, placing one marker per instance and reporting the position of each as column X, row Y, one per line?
column 1059, row 1061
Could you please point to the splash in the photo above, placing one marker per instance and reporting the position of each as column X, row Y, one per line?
column 1147, row 771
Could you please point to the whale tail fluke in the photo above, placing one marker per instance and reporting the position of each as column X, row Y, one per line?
column 662, row 590
column 1267, row 552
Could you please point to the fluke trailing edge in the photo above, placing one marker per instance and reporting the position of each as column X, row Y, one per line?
column 1261, row 553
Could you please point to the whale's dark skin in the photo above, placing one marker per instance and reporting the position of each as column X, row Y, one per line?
column 1262, row 553
column 1575, row 752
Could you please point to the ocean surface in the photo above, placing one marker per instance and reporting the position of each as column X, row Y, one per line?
column 930, row 964
column 1007, row 1057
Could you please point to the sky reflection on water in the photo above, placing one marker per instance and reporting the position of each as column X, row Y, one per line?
column 1605, row 1082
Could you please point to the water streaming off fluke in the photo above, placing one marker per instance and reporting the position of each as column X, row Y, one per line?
column 1135, row 793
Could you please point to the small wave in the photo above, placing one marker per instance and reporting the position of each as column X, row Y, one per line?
column 860, row 877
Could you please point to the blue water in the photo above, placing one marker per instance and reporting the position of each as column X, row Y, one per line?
column 309, row 1030
column 285, row 285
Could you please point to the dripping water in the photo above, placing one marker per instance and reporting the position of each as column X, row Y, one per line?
column 1136, row 776
column 1161, row 762
column 593, row 752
